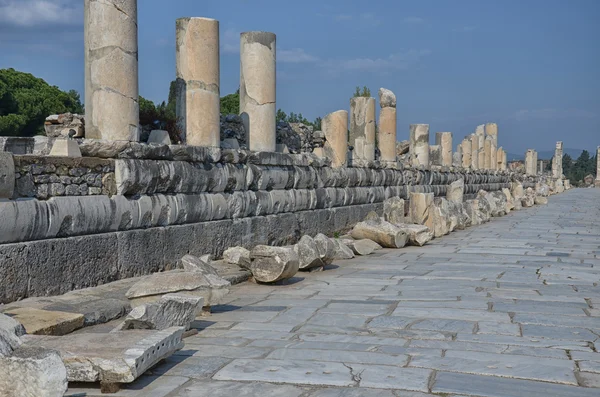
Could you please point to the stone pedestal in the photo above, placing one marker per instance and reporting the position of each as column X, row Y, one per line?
column 198, row 97
column 257, row 89
column 387, row 126
column 362, row 128
column 111, row 70
column 444, row 140
column 335, row 128
column 419, row 144
column 65, row 148
column 557, row 170
column 466, row 153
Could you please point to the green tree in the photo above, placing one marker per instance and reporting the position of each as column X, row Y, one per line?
column 230, row 104
column 317, row 124
column 281, row 117
column 26, row 101
column 366, row 92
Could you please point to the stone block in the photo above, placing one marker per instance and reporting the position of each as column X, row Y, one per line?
column 46, row 322
column 171, row 310
column 65, row 148
column 271, row 264
column 159, row 136
column 7, row 175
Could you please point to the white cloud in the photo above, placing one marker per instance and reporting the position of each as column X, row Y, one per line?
column 397, row 61
column 295, row 55
column 413, row 20
column 41, row 13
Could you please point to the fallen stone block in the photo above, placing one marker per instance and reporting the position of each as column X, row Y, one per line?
column 230, row 272
column 271, row 264
column 95, row 310
column 238, row 256
column 191, row 263
column 510, row 201
column 421, row 208
column 308, row 254
column 418, row 235
column 539, row 200
column 360, row 247
column 456, row 191
column 150, row 288
column 382, row 232
column 111, row 358
column 342, row 251
column 326, row 248
column 33, row 372
column 10, row 330
column 46, row 322
column 393, row 210
column 171, row 310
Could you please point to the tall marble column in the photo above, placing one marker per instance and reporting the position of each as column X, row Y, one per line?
column 257, row 89
column 598, row 166
column 530, row 163
column 535, row 162
column 488, row 148
column 480, row 132
column 419, row 144
column 387, row 126
column 466, row 153
column 444, row 140
column 362, row 128
column 198, row 97
column 111, row 70
column 335, row 128
column 474, row 151
column 491, row 130
column 557, row 170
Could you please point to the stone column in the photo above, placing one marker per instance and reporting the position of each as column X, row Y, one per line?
column 419, row 144
column 491, row 130
column 335, row 128
column 530, row 162
column 597, row 166
column 535, row 162
column 557, row 170
column 480, row 132
column 488, row 147
column 500, row 159
column 387, row 126
column 198, row 97
column 257, row 89
column 435, row 155
column 111, row 70
column 457, row 157
column 362, row 128
column 466, row 153
column 444, row 140
column 474, row 151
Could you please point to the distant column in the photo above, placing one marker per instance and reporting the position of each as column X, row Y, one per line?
column 598, row 166
column 488, row 147
column 557, row 170
column 362, row 128
column 257, row 89
column 466, row 153
column 474, row 151
column 457, row 157
column 500, row 159
column 335, row 128
column 111, row 70
column 491, row 130
column 387, row 126
column 444, row 140
column 529, row 162
column 419, row 144
column 198, row 97
column 535, row 162
column 480, row 132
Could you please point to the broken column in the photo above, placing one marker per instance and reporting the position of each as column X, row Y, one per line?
column 335, row 128
column 530, row 163
column 387, row 126
column 491, row 130
column 466, row 153
column 535, row 162
column 480, row 132
column 362, row 128
column 474, row 151
column 500, row 159
column 597, row 166
column 419, row 144
column 111, row 70
column 444, row 140
column 487, row 150
column 257, row 89
column 557, row 170
column 198, row 98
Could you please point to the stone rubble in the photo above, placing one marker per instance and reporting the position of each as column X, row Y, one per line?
column 192, row 263
column 171, row 310
column 10, row 331
column 382, row 232
column 271, row 264
column 65, row 125
column 308, row 253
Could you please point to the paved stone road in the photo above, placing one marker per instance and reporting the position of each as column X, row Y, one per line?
column 509, row 308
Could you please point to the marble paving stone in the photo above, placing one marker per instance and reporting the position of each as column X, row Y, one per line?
column 444, row 325
column 590, row 366
column 491, row 386
column 339, row 356
column 391, row 322
column 452, row 314
column 455, row 345
column 237, row 389
column 578, row 334
column 369, row 310
column 191, row 367
column 557, row 321
column 537, row 352
column 588, row 379
column 490, row 327
column 365, row 339
column 532, row 341
column 511, row 366
column 384, row 377
column 282, row 371
column 223, row 351
column 146, row 386
column 246, row 326
column 294, row 316
column 351, row 392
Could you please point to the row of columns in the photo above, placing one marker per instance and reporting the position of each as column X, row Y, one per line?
column 480, row 150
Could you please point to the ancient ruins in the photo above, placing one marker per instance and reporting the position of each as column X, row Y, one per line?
column 114, row 251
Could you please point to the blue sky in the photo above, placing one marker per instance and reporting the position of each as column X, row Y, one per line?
column 532, row 66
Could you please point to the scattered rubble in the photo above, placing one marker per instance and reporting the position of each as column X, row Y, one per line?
column 171, row 310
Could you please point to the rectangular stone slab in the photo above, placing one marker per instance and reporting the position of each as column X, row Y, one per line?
column 46, row 322
column 116, row 357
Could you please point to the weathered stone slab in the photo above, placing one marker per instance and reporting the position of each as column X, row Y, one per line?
column 116, row 357
column 46, row 322
column 192, row 263
column 228, row 389
column 171, row 310
column 33, row 371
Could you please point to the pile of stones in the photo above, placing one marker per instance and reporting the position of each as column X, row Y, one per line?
column 65, row 125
